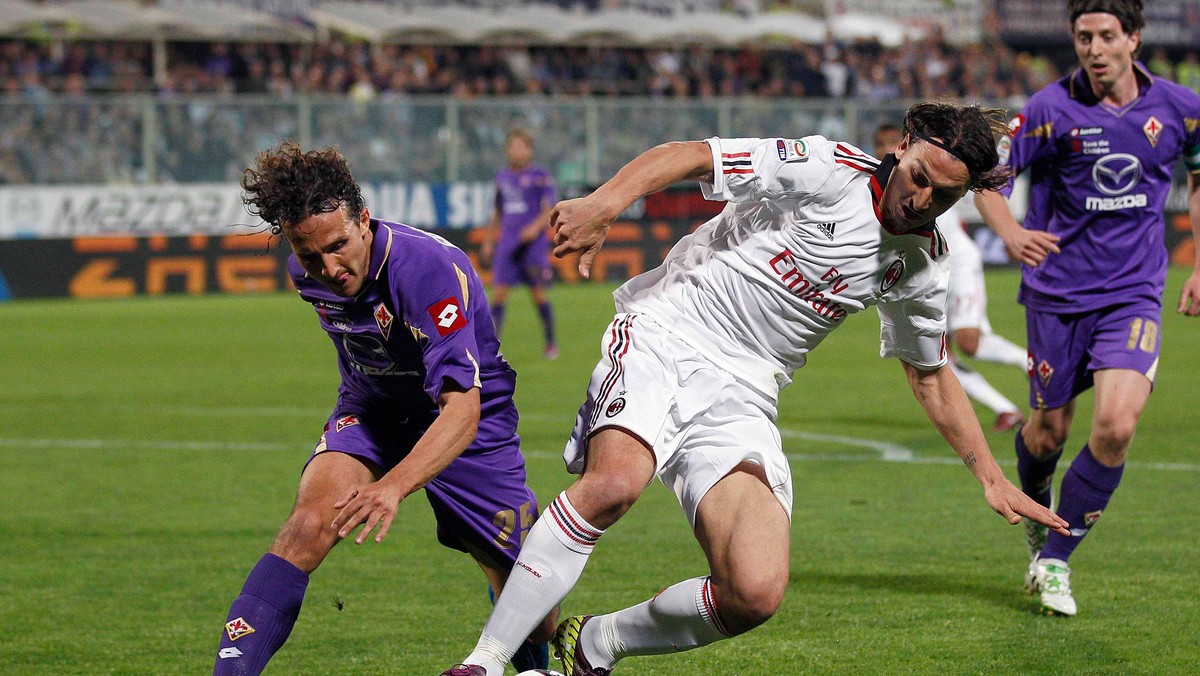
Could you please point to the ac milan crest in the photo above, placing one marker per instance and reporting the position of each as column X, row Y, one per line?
column 615, row 407
column 892, row 275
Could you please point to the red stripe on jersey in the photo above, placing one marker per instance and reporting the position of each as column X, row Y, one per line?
column 739, row 171
column 855, row 165
column 735, row 154
column 876, row 197
column 851, row 150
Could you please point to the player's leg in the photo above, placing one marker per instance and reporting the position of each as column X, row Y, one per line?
column 546, row 313
column 498, row 295
column 484, row 507
column 534, row 652
column 1095, row 473
column 261, row 618
column 744, row 532
column 619, row 466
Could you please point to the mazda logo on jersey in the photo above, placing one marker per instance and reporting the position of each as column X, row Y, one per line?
column 892, row 275
column 1116, row 174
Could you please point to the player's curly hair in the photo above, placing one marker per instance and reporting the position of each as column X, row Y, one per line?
column 287, row 185
column 1128, row 12
column 970, row 132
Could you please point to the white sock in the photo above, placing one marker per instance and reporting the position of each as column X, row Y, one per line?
column 681, row 617
column 550, row 563
column 982, row 391
column 998, row 349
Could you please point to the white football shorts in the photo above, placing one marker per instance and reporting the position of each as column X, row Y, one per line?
column 966, row 300
column 700, row 420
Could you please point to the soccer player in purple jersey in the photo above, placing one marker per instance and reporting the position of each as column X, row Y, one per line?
column 525, row 194
column 425, row 399
column 1100, row 146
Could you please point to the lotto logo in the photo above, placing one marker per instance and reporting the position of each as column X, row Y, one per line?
column 447, row 316
column 238, row 628
column 227, row 653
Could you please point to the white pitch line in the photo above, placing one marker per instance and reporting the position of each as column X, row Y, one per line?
column 887, row 452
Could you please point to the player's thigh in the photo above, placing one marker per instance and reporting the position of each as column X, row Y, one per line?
column 307, row 535
column 1121, row 395
column 619, row 466
column 744, row 531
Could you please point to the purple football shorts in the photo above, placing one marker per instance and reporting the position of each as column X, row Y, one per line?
column 480, row 501
column 1065, row 350
column 529, row 264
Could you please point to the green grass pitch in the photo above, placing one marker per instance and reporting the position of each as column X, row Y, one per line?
column 150, row 448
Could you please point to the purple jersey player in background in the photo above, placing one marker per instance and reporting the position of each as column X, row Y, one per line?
column 1100, row 146
column 425, row 399
column 525, row 194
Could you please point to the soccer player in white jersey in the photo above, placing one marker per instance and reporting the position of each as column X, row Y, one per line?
column 966, row 308
column 687, row 387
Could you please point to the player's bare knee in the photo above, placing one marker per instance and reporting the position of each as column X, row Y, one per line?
column 305, row 539
column 967, row 341
column 1111, row 436
column 751, row 600
column 606, row 496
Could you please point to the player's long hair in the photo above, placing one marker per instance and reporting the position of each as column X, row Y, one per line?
column 970, row 131
column 1128, row 12
column 287, row 185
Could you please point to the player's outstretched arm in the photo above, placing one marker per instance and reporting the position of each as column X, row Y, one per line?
column 1028, row 246
column 1189, row 297
column 947, row 406
column 582, row 224
column 375, row 504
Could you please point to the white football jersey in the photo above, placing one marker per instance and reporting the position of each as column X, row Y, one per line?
column 799, row 248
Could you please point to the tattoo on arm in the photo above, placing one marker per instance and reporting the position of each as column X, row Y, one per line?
column 969, row 460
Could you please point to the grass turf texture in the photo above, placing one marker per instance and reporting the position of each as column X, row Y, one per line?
column 150, row 448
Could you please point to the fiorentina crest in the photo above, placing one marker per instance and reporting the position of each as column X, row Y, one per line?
column 238, row 628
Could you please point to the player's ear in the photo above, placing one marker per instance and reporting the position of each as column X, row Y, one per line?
column 364, row 220
column 904, row 144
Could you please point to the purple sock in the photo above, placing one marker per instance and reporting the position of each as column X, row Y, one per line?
column 547, row 316
column 498, row 316
column 1035, row 474
column 260, row 620
column 1086, row 490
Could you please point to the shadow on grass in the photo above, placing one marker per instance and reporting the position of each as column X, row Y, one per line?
column 1003, row 595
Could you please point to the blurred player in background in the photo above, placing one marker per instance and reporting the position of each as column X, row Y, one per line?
column 425, row 399
column 1100, row 146
column 525, row 194
column 687, row 389
column 966, row 308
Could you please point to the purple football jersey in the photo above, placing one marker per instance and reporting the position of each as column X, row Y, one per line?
column 420, row 320
column 1100, row 178
column 520, row 197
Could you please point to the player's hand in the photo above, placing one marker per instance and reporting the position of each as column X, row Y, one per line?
column 1189, row 297
column 580, row 225
column 1031, row 246
column 1009, row 502
column 486, row 250
column 372, row 505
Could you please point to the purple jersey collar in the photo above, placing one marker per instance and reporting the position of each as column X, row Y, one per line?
column 381, row 245
column 1079, row 87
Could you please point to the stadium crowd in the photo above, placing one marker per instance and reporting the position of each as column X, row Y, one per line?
column 54, row 130
column 930, row 68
